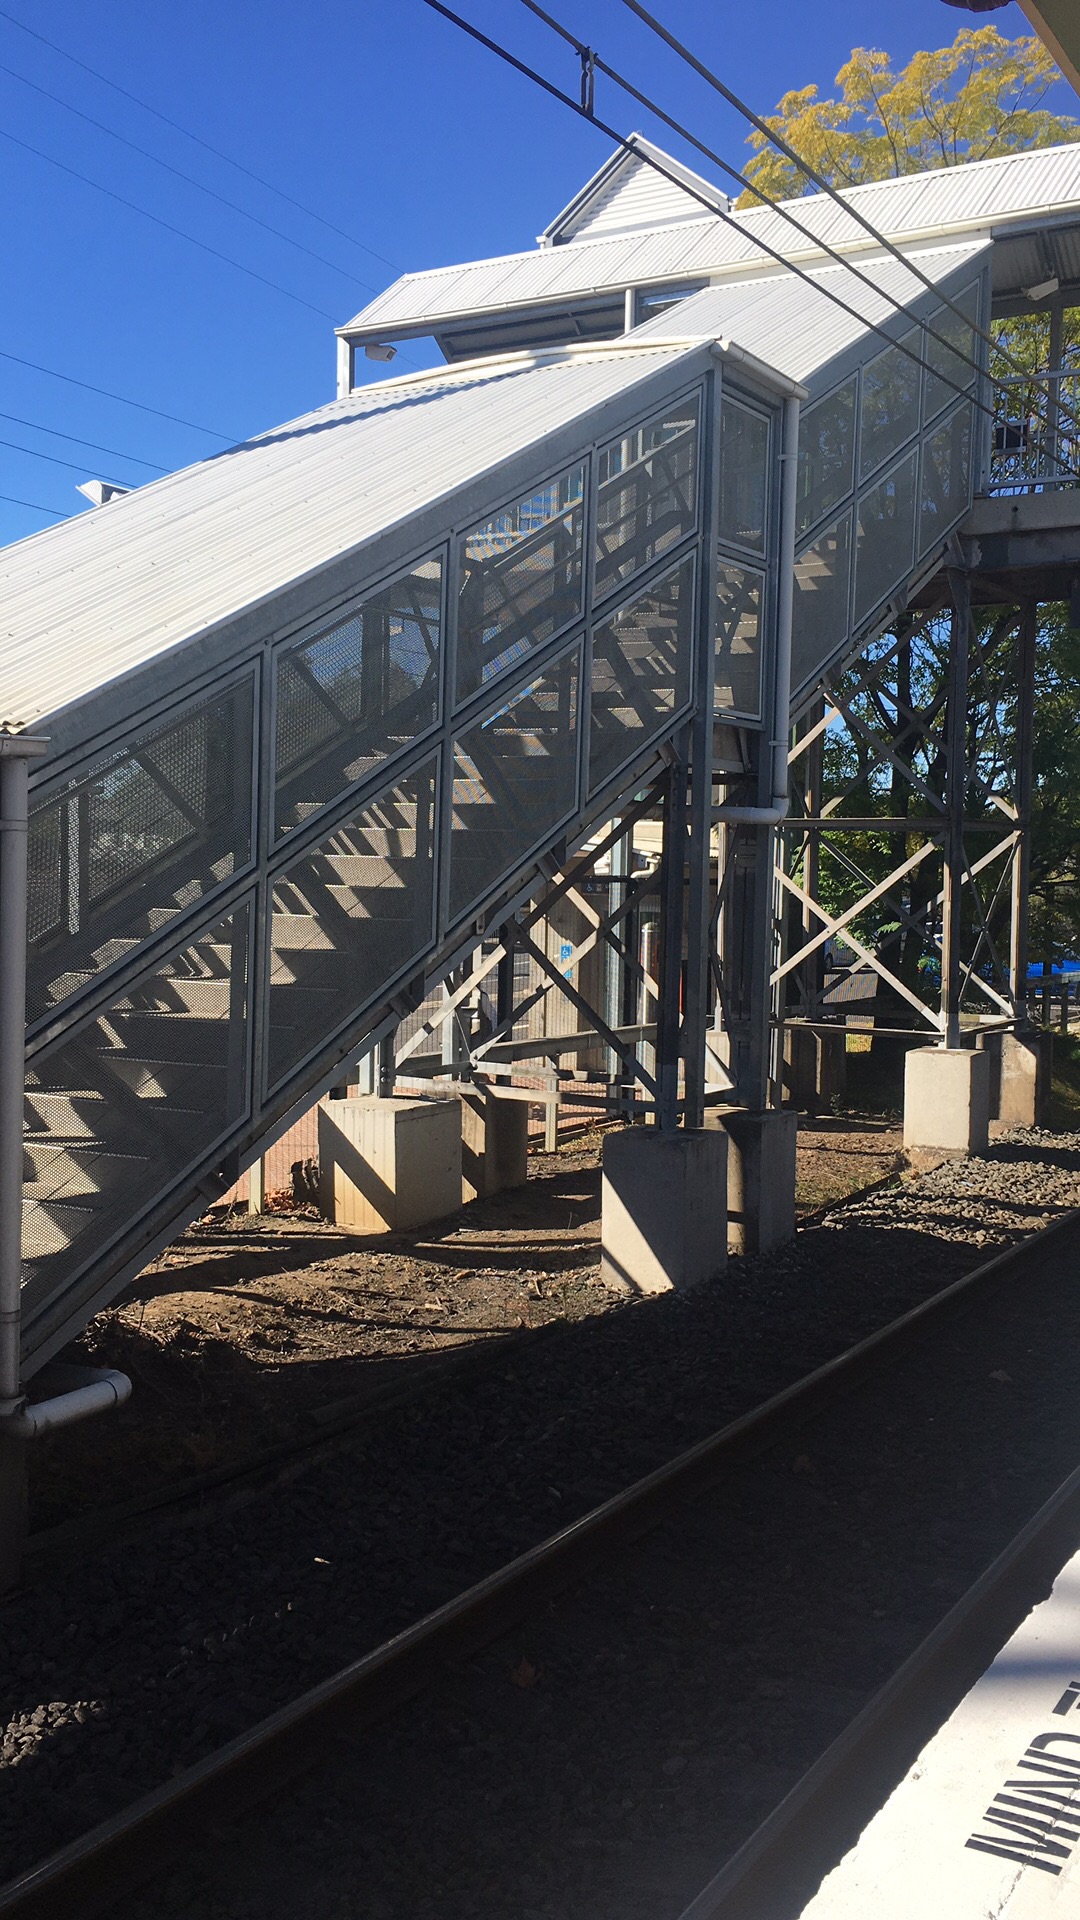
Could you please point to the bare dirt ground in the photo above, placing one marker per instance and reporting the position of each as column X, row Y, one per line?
column 249, row 1329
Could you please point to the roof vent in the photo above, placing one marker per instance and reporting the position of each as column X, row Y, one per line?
column 100, row 492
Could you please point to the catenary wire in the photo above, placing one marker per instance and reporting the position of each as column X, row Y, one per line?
column 133, row 207
column 623, row 141
column 58, row 513
column 178, row 127
column 188, row 178
column 94, row 445
column 53, row 459
column 122, row 399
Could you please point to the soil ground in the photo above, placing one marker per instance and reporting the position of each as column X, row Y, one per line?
column 249, row 1326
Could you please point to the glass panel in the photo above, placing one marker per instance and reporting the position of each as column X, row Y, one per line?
column 946, row 477
column 826, row 455
column 886, row 537
column 348, row 915
column 147, row 830
column 738, row 641
column 951, row 371
column 117, row 1113
column 515, row 779
column 744, row 476
column 352, row 696
column 521, row 580
column 649, row 301
column 647, row 494
column 889, row 409
column 820, row 627
column 641, row 667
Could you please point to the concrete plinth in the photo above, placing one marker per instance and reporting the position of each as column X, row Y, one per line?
column 760, row 1175
column 494, row 1143
column 815, row 1068
column 1019, row 1078
column 663, row 1209
column 947, row 1100
column 389, row 1164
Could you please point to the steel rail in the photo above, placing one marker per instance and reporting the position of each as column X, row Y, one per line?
column 96, row 1871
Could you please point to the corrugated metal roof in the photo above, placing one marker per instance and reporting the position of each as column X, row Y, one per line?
column 988, row 193
column 797, row 328
column 95, row 597
column 627, row 193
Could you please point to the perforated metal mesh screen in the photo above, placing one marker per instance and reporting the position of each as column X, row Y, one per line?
column 820, row 614
column 889, row 404
column 946, row 477
column 521, row 579
column 348, row 915
column 826, row 455
column 885, row 535
column 647, row 489
column 641, row 668
column 353, row 695
column 116, row 1112
column 745, row 476
column 950, row 352
column 737, row 687
column 146, row 831
column 515, row 780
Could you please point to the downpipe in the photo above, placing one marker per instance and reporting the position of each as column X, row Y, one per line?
column 91, row 1390
column 777, row 810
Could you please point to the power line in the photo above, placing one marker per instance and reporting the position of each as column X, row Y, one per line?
column 132, row 207
column 56, row 513
column 198, row 139
column 586, row 113
column 53, row 458
column 95, row 445
column 177, row 420
column 188, row 178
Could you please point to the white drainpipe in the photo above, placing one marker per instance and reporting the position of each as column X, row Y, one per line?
column 95, row 1390
column 772, row 815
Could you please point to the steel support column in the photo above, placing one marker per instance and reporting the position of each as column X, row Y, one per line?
column 956, row 774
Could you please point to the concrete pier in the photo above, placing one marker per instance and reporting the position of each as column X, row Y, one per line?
column 815, row 1068
column 947, row 1100
column 1019, row 1078
column 663, row 1209
column 494, row 1143
column 760, row 1175
column 386, row 1165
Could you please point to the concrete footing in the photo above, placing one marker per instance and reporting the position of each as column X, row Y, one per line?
column 947, row 1100
column 760, row 1175
column 1020, row 1066
column 663, row 1209
column 494, row 1143
column 386, row 1165
column 815, row 1068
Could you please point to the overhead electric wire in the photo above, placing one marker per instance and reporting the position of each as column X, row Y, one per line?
column 122, row 399
column 53, row 459
column 623, row 141
column 188, row 178
column 95, row 445
column 198, row 139
column 57, row 513
column 133, row 207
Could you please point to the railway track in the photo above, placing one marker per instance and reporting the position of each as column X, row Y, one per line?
column 136, row 1846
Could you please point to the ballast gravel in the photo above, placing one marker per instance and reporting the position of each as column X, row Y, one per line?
column 130, row 1663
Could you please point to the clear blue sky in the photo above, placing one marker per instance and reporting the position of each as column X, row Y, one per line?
column 381, row 117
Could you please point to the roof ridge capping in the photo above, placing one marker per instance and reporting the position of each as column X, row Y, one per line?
column 618, row 174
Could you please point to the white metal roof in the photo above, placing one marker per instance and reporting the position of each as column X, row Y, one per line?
column 981, row 197
column 626, row 193
column 796, row 328
column 93, row 598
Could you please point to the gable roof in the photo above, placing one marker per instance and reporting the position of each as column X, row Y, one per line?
column 628, row 193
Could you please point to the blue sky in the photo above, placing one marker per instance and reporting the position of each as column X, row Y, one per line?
column 380, row 117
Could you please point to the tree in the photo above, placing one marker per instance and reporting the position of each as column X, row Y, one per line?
column 978, row 98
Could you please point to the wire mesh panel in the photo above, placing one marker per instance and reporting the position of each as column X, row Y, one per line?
column 945, row 484
column 885, row 537
column 737, row 687
column 744, row 476
column 521, row 579
column 348, row 915
column 826, row 455
column 351, row 696
column 950, row 354
column 889, row 406
column 143, row 833
column 642, row 660
column 647, row 488
column 115, row 1113
column 820, row 614
column 515, row 781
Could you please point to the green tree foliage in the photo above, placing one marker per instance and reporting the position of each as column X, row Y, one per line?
column 979, row 97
